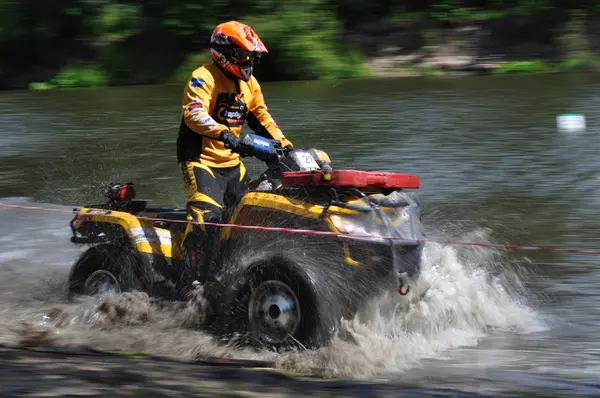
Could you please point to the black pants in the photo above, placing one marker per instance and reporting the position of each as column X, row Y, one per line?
column 208, row 191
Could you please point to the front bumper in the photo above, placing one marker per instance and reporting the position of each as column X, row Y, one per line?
column 383, row 261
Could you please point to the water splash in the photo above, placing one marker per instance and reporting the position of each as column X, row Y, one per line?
column 457, row 302
column 462, row 296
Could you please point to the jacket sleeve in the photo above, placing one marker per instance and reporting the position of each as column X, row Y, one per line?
column 196, row 106
column 259, row 118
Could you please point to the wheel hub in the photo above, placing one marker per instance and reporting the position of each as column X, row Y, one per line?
column 101, row 282
column 274, row 311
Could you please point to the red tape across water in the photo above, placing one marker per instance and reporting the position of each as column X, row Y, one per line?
column 330, row 233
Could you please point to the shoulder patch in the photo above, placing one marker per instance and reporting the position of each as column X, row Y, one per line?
column 196, row 82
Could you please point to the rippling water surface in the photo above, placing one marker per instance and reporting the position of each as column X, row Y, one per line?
column 493, row 168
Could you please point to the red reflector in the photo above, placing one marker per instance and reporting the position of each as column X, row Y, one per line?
column 352, row 178
column 126, row 192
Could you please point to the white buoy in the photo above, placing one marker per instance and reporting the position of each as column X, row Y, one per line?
column 571, row 122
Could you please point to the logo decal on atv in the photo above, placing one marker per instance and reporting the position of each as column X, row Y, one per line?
column 151, row 236
column 93, row 211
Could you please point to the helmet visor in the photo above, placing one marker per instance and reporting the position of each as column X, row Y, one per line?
column 242, row 56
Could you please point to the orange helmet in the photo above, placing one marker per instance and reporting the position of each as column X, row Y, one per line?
column 236, row 48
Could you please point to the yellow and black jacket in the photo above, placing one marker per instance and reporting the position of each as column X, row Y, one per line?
column 213, row 102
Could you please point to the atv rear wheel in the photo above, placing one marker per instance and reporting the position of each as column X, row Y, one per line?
column 279, row 306
column 108, row 268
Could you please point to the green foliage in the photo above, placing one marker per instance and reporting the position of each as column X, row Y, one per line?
column 162, row 40
column 80, row 77
column 38, row 86
column 70, row 77
column 117, row 22
column 523, row 67
column 580, row 65
column 306, row 42
column 183, row 72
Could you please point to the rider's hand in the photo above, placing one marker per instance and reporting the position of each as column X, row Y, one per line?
column 242, row 145
column 230, row 140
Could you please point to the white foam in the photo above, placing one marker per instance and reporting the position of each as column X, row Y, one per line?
column 456, row 304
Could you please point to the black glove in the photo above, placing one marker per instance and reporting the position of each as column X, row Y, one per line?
column 230, row 140
column 243, row 145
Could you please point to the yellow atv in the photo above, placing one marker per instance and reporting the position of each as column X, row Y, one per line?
column 272, row 288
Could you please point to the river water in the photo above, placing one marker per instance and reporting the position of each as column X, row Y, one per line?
column 493, row 168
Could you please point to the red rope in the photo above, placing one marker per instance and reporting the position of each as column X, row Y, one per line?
column 330, row 233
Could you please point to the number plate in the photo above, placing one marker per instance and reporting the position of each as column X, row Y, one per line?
column 306, row 161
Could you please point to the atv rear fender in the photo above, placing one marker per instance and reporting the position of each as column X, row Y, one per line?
column 116, row 226
column 153, row 244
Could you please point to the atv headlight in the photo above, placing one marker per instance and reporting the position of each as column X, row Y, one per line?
column 400, row 222
column 355, row 225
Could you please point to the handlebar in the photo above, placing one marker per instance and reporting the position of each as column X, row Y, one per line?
column 267, row 150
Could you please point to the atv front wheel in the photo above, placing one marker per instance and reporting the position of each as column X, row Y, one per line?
column 280, row 306
column 274, row 311
column 101, row 281
column 108, row 268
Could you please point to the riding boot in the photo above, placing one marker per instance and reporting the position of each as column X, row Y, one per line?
column 199, row 245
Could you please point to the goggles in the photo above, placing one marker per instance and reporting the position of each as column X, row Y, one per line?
column 242, row 56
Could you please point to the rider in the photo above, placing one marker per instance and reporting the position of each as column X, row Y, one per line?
column 218, row 99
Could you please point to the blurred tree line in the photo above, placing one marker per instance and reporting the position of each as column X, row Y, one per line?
column 147, row 41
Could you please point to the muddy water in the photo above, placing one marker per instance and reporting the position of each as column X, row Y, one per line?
column 493, row 169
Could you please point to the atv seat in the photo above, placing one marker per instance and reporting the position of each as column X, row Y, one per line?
column 178, row 215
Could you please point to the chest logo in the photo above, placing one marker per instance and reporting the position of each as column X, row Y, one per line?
column 230, row 110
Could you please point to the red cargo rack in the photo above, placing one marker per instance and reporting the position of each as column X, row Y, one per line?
column 351, row 178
